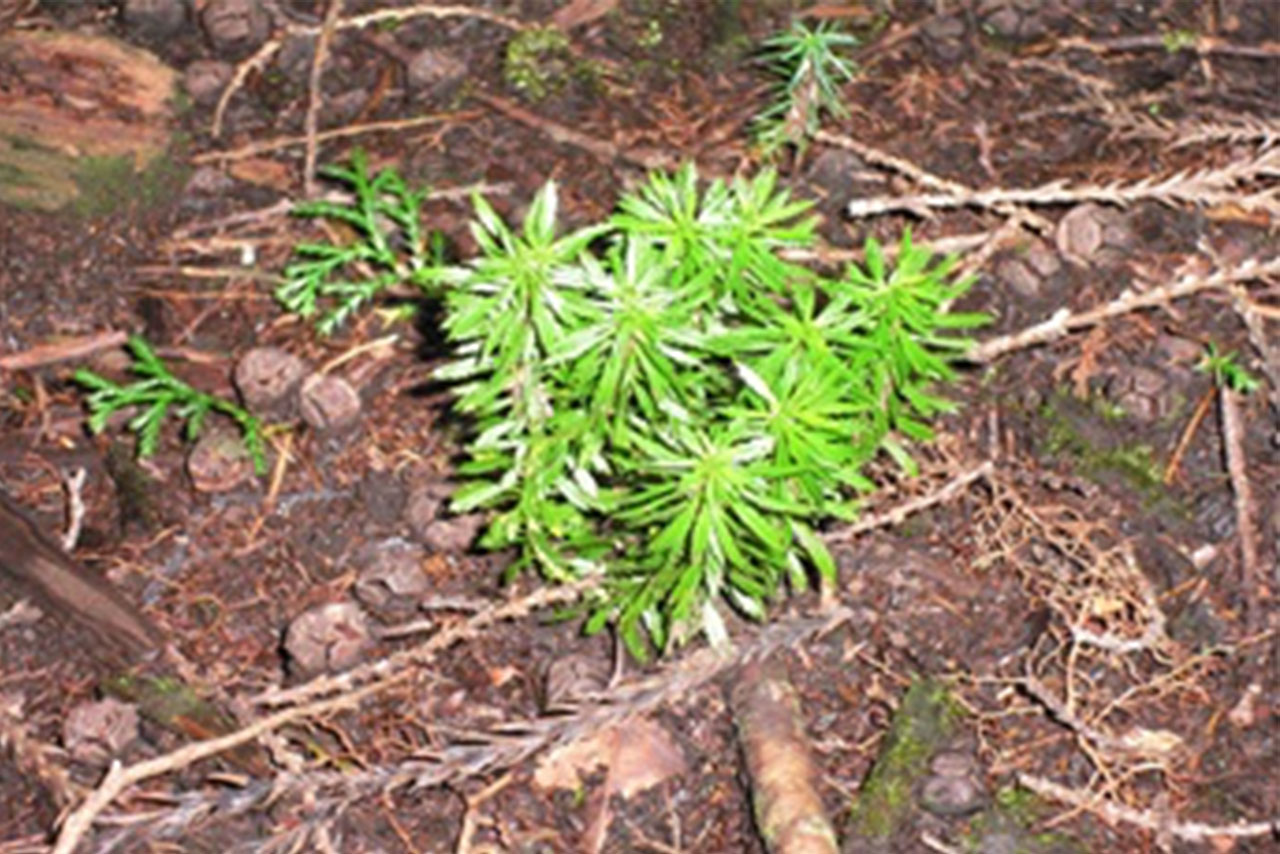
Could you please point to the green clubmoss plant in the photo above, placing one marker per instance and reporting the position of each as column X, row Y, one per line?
column 155, row 394
column 810, row 70
column 389, row 247
column 665, row 400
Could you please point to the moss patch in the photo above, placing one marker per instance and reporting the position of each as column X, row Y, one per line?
column 924, row 723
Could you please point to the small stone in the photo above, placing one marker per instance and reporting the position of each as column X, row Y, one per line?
column 328, row 638
column 946, row 36
column 1043, row 259
column 329, row 404
column 951, row 795
column 235, row 27
column 219, row 462
column 1004, row 22
column 268, row 379
column 209, row 181
column 153, row 19
column 1079, row 234
column 454, row 534
column 1019, row 276
column 96, row 732
column 425, row 503
column 433, row 67
column 383, row 497
column 392, row 576
column 1142, row 392
column 206, row 79
column 1000, row 842
column 1179, row 350
column 953, row 763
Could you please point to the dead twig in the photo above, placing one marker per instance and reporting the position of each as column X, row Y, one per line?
column 896, row 515
column 1207, row 187
column 315, row 96
column 604, row 151
column 1237, row 468
column 62, row 351
column 1065, row 321
column 1117, row 813
column 788, row 807
column 267, row 145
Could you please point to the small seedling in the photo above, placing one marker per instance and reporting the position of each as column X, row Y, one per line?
column 389, row 247
column 663, row 399
column 156, row 394
column 809, row 64
column 1226, row 373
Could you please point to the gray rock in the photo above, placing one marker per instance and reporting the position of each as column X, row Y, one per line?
column 205, row 79
column 328, row 638
column 235, row 28
column 154, row 19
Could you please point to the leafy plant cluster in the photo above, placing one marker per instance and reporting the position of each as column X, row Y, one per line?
column 389, row 247
column 663, row 398
column 155, row 395
column 811, row 70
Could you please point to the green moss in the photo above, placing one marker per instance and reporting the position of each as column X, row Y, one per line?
column 538, row 63
column 108, row 184
column 923, row 724
column 1088, row 432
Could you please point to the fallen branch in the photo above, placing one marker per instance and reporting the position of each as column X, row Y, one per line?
column 788, row 808
column 1064, row 321
column 1115, row 813
column 62, row 351
column 1203, row 187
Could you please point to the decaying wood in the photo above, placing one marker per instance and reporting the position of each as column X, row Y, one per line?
column 788, row 807
column 74, row 96
column 68, row 590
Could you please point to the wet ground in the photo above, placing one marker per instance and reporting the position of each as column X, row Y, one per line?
column 1077, row 566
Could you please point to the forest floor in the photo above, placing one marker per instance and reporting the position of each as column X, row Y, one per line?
column 1084, row 571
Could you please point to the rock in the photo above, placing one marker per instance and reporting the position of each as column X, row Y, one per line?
column 208, row 181
column 206, row 79
column 100, row 100
column 424, row 505
column 1142, row 392
column 1079, row 234
column 434, row 68
column 954, row 787
column 328, row 638
column 392, row 575
column 97, row 732
column 1043, row 259
column 946, row 37
column 454, row 534
column 329, row 404
column 154, row 19
column 1019, row 277
column 383, row 497
column 235, row 28
column 219, row 462
column 268, row 379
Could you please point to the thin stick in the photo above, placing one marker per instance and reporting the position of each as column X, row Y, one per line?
column 268, row 145
column 1188, row 433
column 62, row 351
column 1064, row 321
column 316, row 95
column 896, row 515
column 1237, row 468
column 1115, row 813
